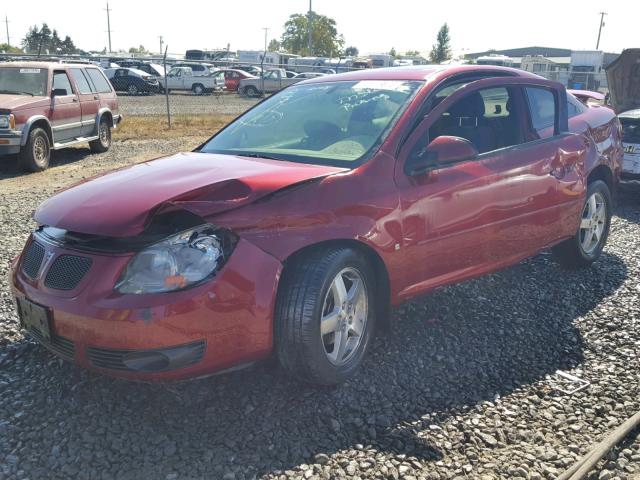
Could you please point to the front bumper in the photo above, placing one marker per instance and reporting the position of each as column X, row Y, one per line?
column 223, row 323
column 10, row 141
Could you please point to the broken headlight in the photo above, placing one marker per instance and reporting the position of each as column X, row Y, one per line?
column 178, row 262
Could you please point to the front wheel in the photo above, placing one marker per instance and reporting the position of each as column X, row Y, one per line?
column 198, row 89
column 251, row 91
column 35, row 155
column 587, row 244
column 325, row 316
column 133, row 89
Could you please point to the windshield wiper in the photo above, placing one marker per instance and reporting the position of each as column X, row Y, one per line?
column 258, row 155
column 13, row 92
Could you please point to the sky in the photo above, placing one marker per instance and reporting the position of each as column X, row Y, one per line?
column 371, row 26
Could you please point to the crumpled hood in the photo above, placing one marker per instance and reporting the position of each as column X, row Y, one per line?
column 120, row 203
column 622, row 77
column 14, row 102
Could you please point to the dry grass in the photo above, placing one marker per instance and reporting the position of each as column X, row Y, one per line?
column 151, row 127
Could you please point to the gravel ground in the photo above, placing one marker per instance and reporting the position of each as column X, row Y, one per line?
column 461, row 387
column 185, row 104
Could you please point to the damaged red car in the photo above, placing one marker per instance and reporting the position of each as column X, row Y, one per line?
column 294, row 229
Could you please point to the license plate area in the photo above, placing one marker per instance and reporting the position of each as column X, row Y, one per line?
column 35, row 316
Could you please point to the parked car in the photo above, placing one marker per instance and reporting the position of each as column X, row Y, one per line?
column 46, row 106
column 132, row 81
column 623, row 76
column 271, row 81
column 306, row 75
column 182, row 78
column 197, row 69
column 232, row 78
column 252, row 69
column 294, row 229
column 153, row 69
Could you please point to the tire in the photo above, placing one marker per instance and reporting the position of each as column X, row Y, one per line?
column 133, row 89
column 36, row 154
column 198, row 89
column 103, row 142
column 251, row 91
column 307, row 297
column 586, row 246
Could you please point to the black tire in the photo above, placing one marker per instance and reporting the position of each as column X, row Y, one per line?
column 36, row 154
column 571, row 253
column 198, row 89
column 133, row 89
column 304, row 288
column 103, row 142
column 251, row 91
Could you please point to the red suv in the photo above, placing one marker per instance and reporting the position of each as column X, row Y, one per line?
column 47, row 106
column 294, row 229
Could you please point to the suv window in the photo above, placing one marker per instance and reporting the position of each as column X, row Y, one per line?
column 542, row 107
column 61, row 81
column 102, row 84
column 488, row 118
column 81, row 81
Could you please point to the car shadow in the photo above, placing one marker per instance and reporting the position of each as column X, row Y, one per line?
column 10, row 165
column 445, row 354
column 628, row 201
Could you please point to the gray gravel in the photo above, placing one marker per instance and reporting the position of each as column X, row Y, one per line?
column 185, row 104
column 459, row 388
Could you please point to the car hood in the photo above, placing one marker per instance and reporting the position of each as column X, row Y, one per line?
column 13, row 102
column 622, row 77
column 121, row 203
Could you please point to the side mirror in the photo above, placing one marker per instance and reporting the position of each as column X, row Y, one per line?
column 442, row 151
column 59, row 92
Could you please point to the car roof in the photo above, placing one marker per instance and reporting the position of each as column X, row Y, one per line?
column 45, row 64
column 416, row 72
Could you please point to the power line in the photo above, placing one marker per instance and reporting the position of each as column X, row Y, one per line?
column 109, row 25
column 602, row 14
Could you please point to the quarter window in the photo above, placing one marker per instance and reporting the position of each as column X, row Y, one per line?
column 61, row 82
column 81, row 81
column 542, row 106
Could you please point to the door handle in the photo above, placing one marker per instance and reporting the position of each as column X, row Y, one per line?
column 75, row 99
column 95, row 97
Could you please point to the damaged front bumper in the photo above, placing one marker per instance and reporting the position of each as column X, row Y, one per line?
column 215, row 326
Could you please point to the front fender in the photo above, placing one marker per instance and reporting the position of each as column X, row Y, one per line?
column 26, row 128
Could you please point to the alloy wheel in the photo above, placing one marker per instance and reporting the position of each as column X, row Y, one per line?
column 593, row 223
column 40, row 150
column 344, row 316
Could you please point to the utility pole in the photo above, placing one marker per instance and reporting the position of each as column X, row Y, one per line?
column 266, row 31
column 602, row 14
column 161, row 42
column 109, row 26
column 309, row 26
column 6, row 21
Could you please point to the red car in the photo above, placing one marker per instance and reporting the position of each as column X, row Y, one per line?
column 294, row 229
column 48, row 106
column 232, row 78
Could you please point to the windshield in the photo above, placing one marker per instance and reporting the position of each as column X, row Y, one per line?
column 335, row 123
column 630, row 130
column 23, row 81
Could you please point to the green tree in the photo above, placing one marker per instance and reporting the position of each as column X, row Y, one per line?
column 325, row 38
column 274, row 45
column 412, row 53
column 441, row 50
column 141, row 50
column 393, row 52
column 44, row 40
column 351, row 52
column 6, row 48
column 68, row 46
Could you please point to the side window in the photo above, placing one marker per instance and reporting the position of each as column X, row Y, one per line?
column 61, row 81
column 101, row 83
column 488, row 118
column 574, row 106
column 81, row 81
column 542, row 109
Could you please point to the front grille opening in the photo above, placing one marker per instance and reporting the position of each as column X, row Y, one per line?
column 67, row 271
column 32, row 260
column 149, row 361
column 59, row 345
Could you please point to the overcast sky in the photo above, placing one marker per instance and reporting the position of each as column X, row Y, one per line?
column 372, row 26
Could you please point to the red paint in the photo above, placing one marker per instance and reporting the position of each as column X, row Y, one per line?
column 232, row 78
column 453, row 223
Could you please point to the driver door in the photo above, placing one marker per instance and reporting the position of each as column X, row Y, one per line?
column 466, row 218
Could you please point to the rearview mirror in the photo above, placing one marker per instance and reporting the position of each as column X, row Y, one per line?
column 58, row 92
column 442, row 151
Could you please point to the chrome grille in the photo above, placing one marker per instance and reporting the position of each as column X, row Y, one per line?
column 66, row 272
column 32, row 260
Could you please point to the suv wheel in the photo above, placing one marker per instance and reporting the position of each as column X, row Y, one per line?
column 198, row 89
column 133, row 89
column 587, row 244
column 103, row 142
column 325, row 316
column 35, row 155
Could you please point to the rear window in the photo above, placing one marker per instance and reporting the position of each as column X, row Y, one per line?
column 81, row 81
column 630, row 130
column 102, row 84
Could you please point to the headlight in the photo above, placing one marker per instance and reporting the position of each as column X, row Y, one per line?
column 7, row 121
column 177, row 262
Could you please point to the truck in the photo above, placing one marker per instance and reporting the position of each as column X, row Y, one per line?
column 182, row 78
column 270, row 81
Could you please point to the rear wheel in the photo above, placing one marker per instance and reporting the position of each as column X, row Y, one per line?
column 251, row 91
column 132, row 89
column 198, row 89
column 103, row 142
column 35, row 155
column 587, row 244
column 325, row 316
